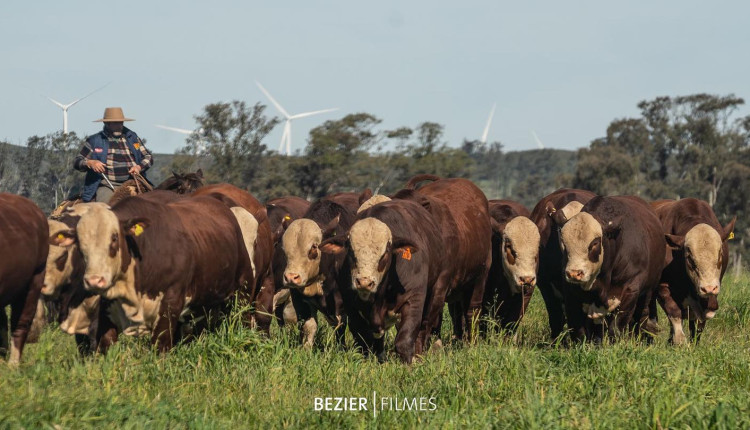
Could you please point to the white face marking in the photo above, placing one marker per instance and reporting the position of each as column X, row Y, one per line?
column 98, row 230
column 581, row 235
column 520, row 253
column 703, row 259
column 300, row 242
column 369, row 239
column 594, row 312
column 54, row 278
column 372, row 201
column 249, row 227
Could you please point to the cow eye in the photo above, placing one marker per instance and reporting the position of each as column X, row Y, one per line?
column 690, row 261
column 595, row 249
column 312, row 254
column 510, row 254
column 114, row 245
column 60, row 262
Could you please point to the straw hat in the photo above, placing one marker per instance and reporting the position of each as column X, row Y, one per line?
column 113, row 114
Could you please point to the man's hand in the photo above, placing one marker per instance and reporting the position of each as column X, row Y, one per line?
column 96, row 165
column 135, row 170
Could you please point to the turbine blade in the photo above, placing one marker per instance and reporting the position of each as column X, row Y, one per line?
column 275, row 103
column 289, row 138
column 538, row 142
column 100, row 88
column 56, row 102
column 487, row 127
column 306, row 114
column 178, row 130
column 283, row 138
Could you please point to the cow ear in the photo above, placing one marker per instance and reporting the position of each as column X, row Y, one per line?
column 330, row 228
column 404, row 248
column 63, row 238
column 729, row 230
column 135, row 226
column 176, row 175
column 279, row 233
column 496, row 226
column 334, row 245
column 674, row 241
column 612, row 227
column 199, row 173
column 365, row 196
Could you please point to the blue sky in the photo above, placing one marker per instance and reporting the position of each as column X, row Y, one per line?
column 563, row 69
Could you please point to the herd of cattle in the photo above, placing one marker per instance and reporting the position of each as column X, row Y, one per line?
column 172, row 262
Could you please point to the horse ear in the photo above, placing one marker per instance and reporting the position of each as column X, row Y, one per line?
column 175, row 174
column 199, row 173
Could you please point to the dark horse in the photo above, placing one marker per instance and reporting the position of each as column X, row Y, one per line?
column 183, row 183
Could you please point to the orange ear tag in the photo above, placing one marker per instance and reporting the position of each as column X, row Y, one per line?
column 406, row 255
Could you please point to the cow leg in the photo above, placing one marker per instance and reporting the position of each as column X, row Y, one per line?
column 674, row 314
column 457, row 317
column 22, row 311
column 105, row 331
column 3, row 332
column 411, row 316
column 264, row 305
column 167, row 326
column 696, row 330
column 555, row 306
column 433, row 317
column 38, row 323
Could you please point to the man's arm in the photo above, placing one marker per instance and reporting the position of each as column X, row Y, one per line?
column 148, row 159
column 80, row 161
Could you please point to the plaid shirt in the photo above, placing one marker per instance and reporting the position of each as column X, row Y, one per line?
column 119, row 158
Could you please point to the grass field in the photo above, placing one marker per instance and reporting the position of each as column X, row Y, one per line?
column 235, row 379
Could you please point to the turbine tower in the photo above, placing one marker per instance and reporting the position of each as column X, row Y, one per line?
column 71, row 104
column 286, row 137
column 536, row 138
column 487, row 127
column 199, row 132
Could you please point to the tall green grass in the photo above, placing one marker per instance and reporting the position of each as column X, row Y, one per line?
column 235, row 378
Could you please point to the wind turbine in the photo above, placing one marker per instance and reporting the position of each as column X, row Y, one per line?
column 71, row 104
column 487, row 127
column 536, row 138
column 286, row 137
column 199, row 132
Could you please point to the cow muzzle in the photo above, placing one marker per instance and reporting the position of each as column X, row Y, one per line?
column 293, row 280
column 708, row 291
column 95, row 282
column 365, row 284
column 574, row 276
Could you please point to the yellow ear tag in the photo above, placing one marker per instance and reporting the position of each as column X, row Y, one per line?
column 137, row 229
column 731, row 236
column 60, row 236
column 406, row 255
column 287, row 217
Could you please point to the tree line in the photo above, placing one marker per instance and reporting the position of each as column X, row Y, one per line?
column 688, row 146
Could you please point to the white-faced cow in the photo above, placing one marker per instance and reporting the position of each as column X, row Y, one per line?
column 690, row 283
column 561, row 204
column 614, row 252
column 515, row 259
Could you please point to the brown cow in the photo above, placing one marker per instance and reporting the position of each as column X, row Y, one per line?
column 312, row 276
column 515, row 260
column 23, row 257
column 156, row 265
column 614, row 252
column 691, row 281
column 262, row 251
column 394, row 260
column 461, row 211
column 550, row 280
column 281, row 213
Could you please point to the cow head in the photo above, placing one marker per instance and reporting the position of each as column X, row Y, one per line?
column 520, row 252
column 301, row 244
column 372, row 249
column 581, row 243
column 103, row 241
column 62, row 252
column 703, row 253
column 372, row 201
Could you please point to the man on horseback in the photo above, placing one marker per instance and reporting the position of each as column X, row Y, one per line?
column 111, row 157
